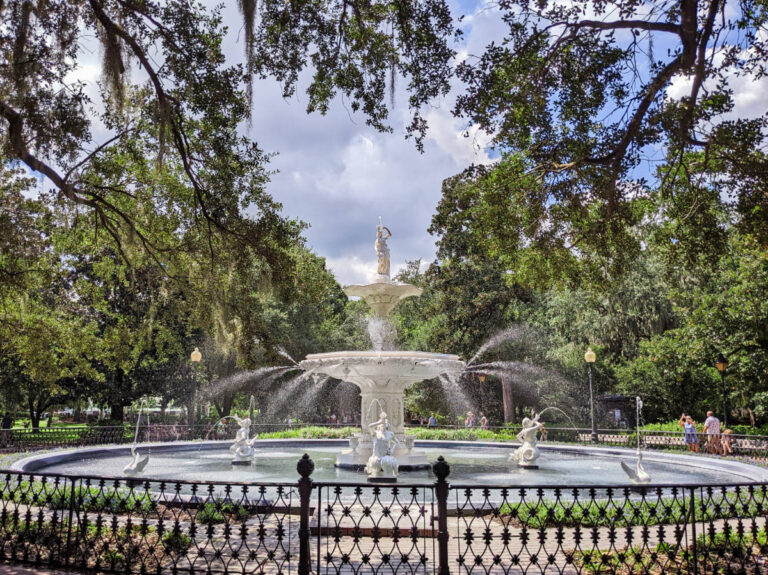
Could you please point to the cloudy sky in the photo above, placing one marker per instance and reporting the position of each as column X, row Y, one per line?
column 339, row 175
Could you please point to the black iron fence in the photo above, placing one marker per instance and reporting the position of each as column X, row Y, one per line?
column 142, row 526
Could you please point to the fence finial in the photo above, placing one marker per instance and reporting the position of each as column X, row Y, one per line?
column 441, row 469
column 305, row 466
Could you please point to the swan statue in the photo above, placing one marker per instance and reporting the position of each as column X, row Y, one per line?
column 138, row 464
column 638, row 475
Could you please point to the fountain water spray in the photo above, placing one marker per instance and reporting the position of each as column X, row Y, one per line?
column 638, row 474
column 139, row 462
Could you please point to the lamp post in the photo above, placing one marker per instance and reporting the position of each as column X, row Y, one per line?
column 194, row 357
column 722, row 364
column 590, row 357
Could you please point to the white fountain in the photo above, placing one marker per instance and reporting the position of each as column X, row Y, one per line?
column 382, row 374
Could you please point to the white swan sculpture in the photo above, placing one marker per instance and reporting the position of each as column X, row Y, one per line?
column 138, row 464
column 638, row 475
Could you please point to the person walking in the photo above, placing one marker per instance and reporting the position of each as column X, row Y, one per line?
column 712, row 430
column 689, row 430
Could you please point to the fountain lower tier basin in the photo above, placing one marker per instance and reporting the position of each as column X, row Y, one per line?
column 472, row 463
column 382, row 377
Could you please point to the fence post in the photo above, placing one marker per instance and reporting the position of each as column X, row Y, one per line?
column 69, row 520
column 441, row 469
column 305, row 467
column 692, row 511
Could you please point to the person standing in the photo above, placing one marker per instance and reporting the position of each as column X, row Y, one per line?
column 689, row 430
column 470, row 420
column 483, row 421
column 432, row 421
column 712, row 430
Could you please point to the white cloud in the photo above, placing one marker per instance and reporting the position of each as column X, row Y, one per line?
column 748, row 93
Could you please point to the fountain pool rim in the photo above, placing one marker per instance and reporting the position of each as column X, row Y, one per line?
column 741, row 472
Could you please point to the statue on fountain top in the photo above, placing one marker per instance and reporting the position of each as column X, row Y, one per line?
column 382, row 465
column 382, row 250
column 527, row 454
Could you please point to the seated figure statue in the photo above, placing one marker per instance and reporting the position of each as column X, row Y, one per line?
column 527, row 454
column 242, row 448
column 381, row 463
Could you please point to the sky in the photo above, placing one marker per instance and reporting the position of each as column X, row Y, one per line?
column 338, row 175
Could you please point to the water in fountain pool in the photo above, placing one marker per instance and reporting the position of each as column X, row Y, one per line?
column 471, row 466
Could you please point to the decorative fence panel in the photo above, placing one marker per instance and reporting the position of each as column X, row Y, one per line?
column 121, row 525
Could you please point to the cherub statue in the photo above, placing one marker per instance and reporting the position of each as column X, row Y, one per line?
column 527, row 454
column 382, row 463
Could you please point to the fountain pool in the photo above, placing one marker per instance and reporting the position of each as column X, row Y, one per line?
column 471, row 464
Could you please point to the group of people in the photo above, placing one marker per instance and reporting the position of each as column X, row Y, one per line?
column 470, row 421
column 346, row 418
column 717, row 442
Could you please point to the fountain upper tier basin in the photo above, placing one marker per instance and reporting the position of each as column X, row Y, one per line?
column 382, row 370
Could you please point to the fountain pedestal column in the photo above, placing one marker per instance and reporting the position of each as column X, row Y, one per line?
column 382, row 377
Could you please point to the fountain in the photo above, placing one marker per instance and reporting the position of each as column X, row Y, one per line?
column 382, row 374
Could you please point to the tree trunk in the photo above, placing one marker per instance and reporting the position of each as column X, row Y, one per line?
column 225, row 407
column 509, row 401
column 117, row 411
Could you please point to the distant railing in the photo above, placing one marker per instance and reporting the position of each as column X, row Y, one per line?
column 14, row 440
column 121, row 525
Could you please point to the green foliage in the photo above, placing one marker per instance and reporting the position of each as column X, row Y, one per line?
column 312, row 432
column 221, row 512
column 175, row 541
column 604, row 513
column 85, row 498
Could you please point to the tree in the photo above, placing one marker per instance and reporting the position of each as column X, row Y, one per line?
column 188, row 109
column 728, row 314
column 582, row 89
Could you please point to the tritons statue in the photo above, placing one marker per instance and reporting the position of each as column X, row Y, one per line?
column 382, row 465
column 242, row 448
column 527, row 454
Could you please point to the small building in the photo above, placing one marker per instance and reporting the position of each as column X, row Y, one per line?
column 616, row 411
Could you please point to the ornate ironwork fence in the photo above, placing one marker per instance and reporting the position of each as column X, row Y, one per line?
column 142, row 526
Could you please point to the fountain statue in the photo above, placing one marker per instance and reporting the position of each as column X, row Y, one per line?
column 382, row 374
column 638, row 474
column 382, row 251
column 139, row 462
column 242, row 449
column 382, row 465
column 527, row 454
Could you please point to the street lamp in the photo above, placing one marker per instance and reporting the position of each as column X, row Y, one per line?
column 722, row 364
column 194, row 357
column 590, row 357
